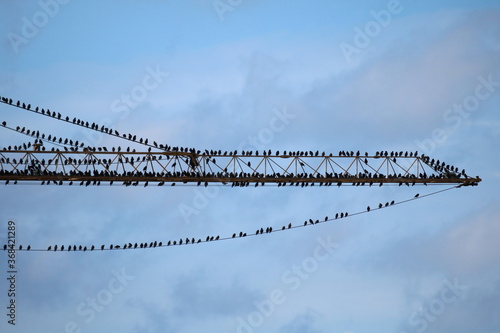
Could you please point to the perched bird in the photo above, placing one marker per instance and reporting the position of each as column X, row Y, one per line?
column 416, row 195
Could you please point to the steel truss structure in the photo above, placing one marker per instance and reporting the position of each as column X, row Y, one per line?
column 92, row 167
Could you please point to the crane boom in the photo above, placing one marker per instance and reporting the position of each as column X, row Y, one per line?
column 162, row 167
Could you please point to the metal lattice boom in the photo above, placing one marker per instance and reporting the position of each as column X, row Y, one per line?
column 162, row 167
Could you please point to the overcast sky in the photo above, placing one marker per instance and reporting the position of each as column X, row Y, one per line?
column 381, row 75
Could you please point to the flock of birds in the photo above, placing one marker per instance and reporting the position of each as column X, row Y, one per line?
column 141, row 170
column 74, row 145
column 82, row 123
column 190, row 159
column 192, row 240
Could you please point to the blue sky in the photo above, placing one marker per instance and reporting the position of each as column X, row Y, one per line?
column 425, row 77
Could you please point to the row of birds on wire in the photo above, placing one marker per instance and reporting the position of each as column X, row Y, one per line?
column 210, row 238
column 89, row 125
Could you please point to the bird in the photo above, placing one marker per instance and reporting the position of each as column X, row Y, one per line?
column 368, row 208
column 416, row 195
